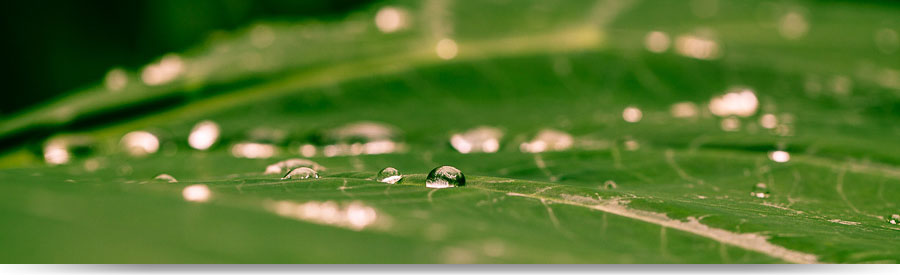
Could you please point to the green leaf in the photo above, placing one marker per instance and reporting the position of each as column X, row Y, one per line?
column 666, row 188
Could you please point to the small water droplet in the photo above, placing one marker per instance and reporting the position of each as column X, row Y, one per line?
column 165, row 177
column 166, row 70
column 548, row 140
column 483, row 139
column 362, row 138
column 445, row 177
column 683, row 109
column 632, row 114
column 390, row 19
column 60, row 150
column 446, row 49
column 301, row 173
column 253, row 150
column 657, row 41
column 738, row 101
column 140, row 143
column 779, row 156
column 290, row 164
column 116, row 79
column 389, row 175
column 760, row 190
column 196, row 193
column 204, row 135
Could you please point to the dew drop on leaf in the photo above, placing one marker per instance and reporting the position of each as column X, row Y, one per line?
column 165, row 177
column 300, row 173
column 760, row 190
column 445, row 177
column 482, row 139
column 204, row 135
column 289, row 164
column 389, row 175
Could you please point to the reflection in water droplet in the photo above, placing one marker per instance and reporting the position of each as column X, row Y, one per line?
column 446, row 49
column 887, row 40
column 445, row 177
column 204, row 135
column 253, row 150
column 389, row 175
column 301, row 173
column 683, row 109
column 390, row 19
column 760, row 190
column 289, row 164
column 737, row 101
column 196, row 193
column 657, row 41
column 165, row 177
column 140, row 143
column 166, row 70
column 548, row 140
column 768, row 121
column 793, row 25
column 779, row 156
column 482, row 139
column 115, row 80
column 632, row 114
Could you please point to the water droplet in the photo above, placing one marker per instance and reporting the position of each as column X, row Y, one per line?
column 698, row 47
column 390, row 19
column 167, row 69
column 760, row 190
column 738, row 101
column 793, row 25
column 165, row 177
column 445, row 177
column 308, row 150
column 657, row 42
column 632, row 114
column 370, row 138
column 779, row 156
column 204, row 135
column 895, row 219
column 253, row 150
column 196, row 193
column 140, row 143
column 389, row 175
column 887, row 40
column 482, row 139
column 301, row 173
column 115, row 80
column 768, row 121
column 62, row 149
column 446, row 49
column 730, row 124
column 289, row 164
column 683, row 109
column 548, row 140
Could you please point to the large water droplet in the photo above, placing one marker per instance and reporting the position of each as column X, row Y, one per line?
column 482, row 139
column 165, row 177
column 445, row 177
column 548, row 140
column 289, row 164
column 760, row 190
column 389, row 175
column 204, row 135
column 301, row 173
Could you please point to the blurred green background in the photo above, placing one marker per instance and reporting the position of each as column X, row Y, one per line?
column 59, row 46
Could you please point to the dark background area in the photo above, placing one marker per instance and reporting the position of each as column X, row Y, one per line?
column 53, row 47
